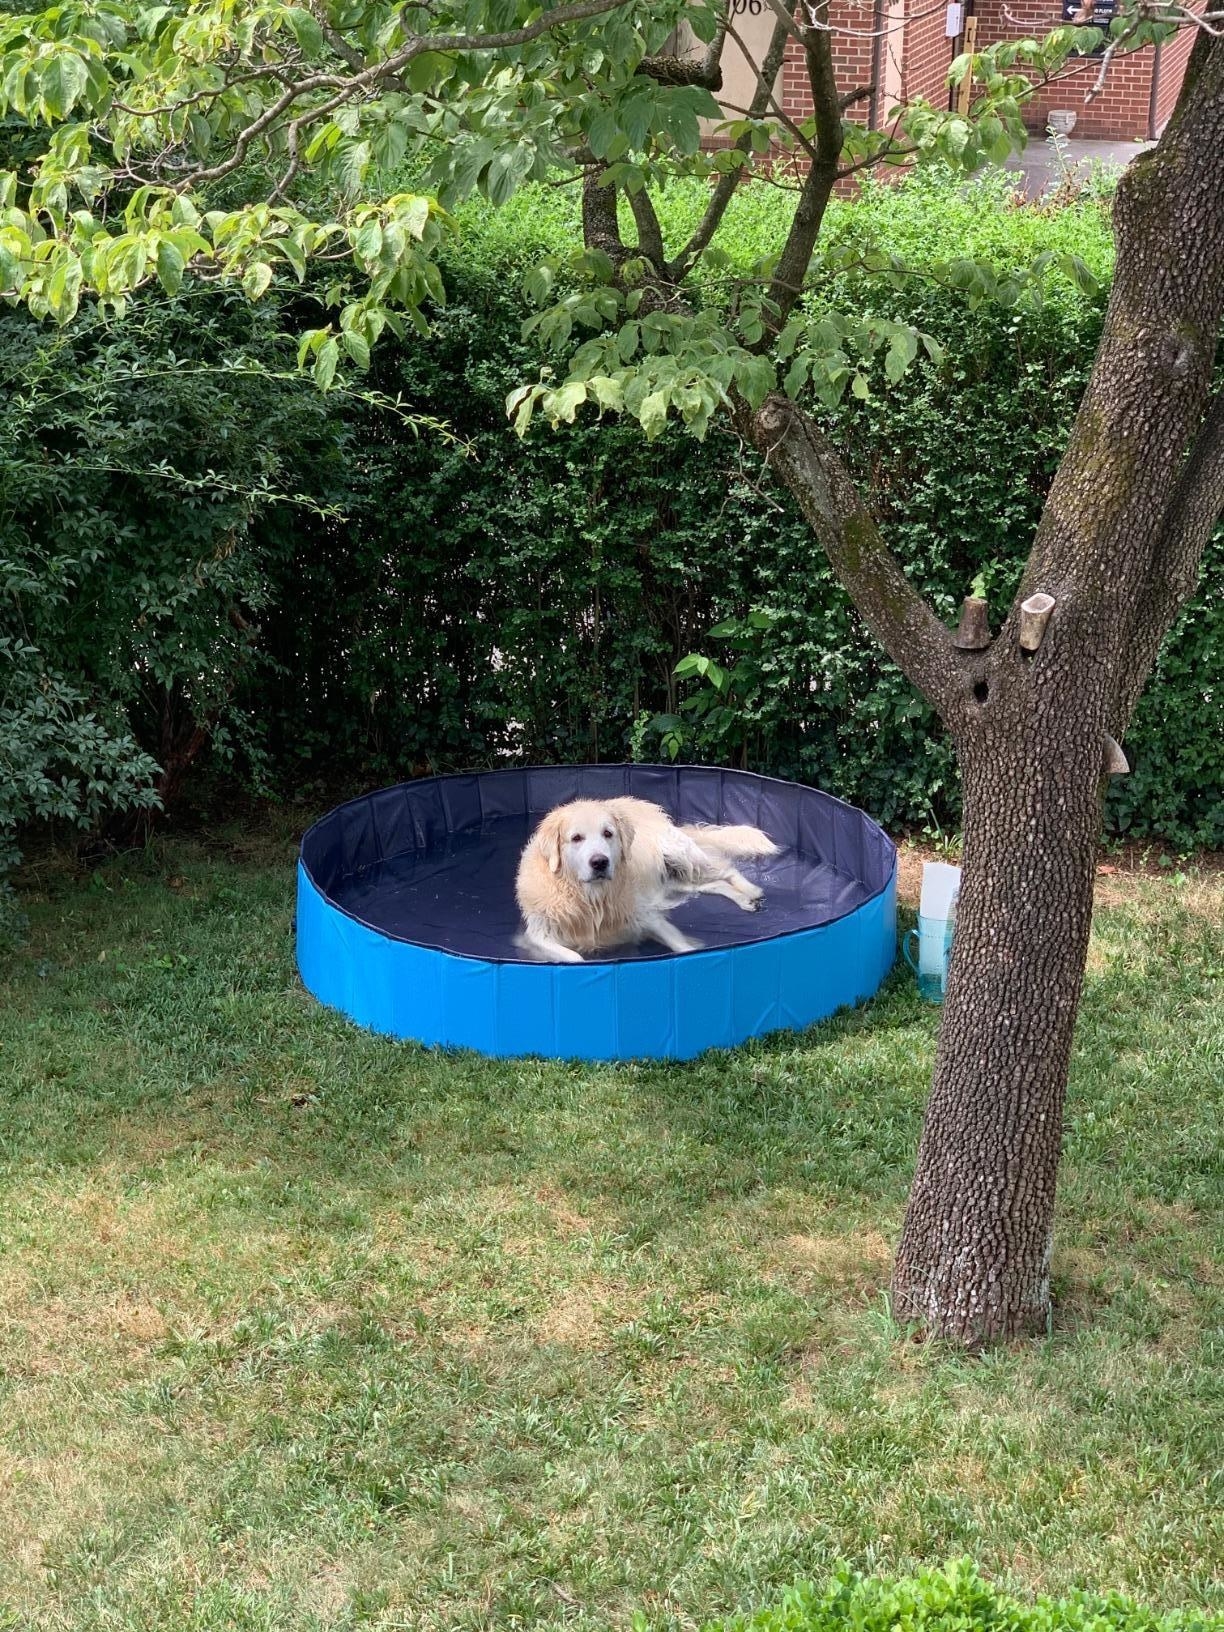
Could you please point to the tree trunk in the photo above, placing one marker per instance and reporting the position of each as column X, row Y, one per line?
column 1117, row 550
column 1126, row 520
column 974, row 1260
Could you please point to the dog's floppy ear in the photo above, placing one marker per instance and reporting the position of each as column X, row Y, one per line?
column 549, row 841
column 624, row 828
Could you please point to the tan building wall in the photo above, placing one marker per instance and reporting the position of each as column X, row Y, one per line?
column 755, row 29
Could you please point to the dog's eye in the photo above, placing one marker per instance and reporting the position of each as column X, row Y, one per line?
column 607, row 833
column 577, row 839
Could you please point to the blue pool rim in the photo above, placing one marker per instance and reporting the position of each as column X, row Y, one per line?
column 664, row 1007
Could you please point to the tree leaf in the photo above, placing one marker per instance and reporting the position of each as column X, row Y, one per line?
column 537, row 285
column 170, row 266
column 369, row 241
column 652, row 415
column 756, row 377
column 325, row 364
column 358, row 347
column 64, row 289
column 62, row 83
column 507, row 168
column 256, row 278
column 608, row 392
column 305, row 30
column 564, row 404
column 901, row 352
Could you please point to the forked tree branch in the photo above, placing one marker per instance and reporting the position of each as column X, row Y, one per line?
column 1137, row 489
column 346, row 52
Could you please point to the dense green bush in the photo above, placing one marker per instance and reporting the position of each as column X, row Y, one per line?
column 532, row 599
column 133, row 458
column 194, row 547
column 953, row 1599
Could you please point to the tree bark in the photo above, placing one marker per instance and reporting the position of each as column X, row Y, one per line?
column 973, row 1263
column 974, row 1259
column 1126, row 519
column 1117, row 548
column 1134, row 499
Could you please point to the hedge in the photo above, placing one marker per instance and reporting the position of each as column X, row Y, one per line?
column 532, row 599
column 190, row 535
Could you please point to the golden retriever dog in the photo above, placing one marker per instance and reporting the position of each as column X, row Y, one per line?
column 600, row 873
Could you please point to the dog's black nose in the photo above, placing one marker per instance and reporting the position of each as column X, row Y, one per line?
column 599, row 864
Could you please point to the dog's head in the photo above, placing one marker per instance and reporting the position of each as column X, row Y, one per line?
column 585, row 841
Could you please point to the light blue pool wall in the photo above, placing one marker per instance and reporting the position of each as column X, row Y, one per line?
column 658, row 1008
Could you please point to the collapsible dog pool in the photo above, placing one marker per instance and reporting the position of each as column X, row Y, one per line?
column 407, row 922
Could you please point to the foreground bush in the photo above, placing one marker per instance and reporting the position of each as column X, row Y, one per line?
column 953, row 1599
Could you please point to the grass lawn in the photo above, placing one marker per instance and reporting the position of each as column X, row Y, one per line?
column 300, row 1328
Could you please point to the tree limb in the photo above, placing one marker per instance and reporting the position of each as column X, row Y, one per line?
column 600, row 227
column 775, row 106
column 890, row 606
column 385, row 72
column 650, row 233
column 724, row 190
column 786, row 17
column 796, row 253
column 676, row 71
column 1195, row 508
column 346, row 52
column 1104, row 525
column 671, row 67
column 713, row 56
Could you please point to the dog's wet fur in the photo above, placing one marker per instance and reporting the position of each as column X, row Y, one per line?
column 602, row 874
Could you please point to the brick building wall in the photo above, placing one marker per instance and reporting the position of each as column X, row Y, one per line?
column 910, row 58
column 853, row 58
column 1121, row 111
column 927, row 53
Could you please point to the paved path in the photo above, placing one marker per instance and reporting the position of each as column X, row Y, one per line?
column 1041, row 169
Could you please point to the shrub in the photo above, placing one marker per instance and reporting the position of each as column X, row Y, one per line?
column 435, row 605
column 132, row 460
column 952, row 1599
column 532, row 599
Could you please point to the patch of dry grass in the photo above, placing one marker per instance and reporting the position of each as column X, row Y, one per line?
column 303, row 1329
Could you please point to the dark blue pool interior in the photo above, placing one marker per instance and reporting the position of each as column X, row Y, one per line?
column 433, row 862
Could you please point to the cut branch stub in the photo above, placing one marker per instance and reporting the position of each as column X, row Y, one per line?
column 974, row 631
column 1034, row 615
column 1113, row 762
